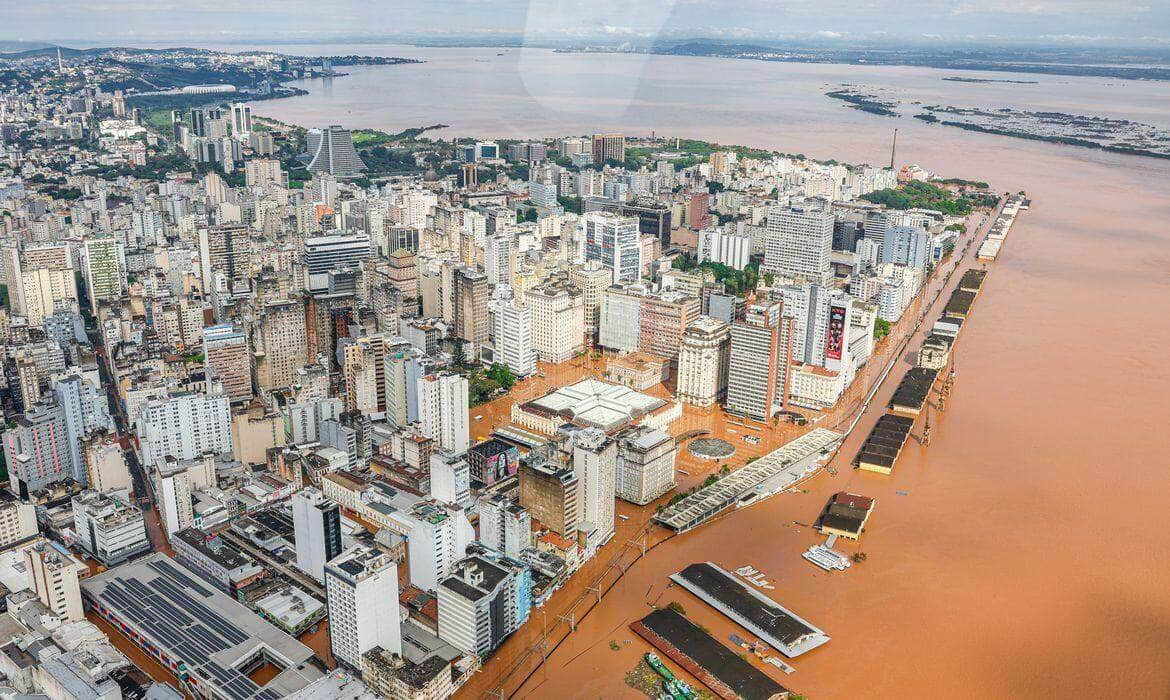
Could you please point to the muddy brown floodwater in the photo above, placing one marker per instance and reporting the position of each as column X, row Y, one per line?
column 1025, row 560
column 1028, row 558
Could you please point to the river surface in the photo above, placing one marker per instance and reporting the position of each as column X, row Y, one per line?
column 1029, row 558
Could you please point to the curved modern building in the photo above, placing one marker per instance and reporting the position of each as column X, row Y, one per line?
column 331, row 151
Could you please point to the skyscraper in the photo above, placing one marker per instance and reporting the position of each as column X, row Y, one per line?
column 512, row 334
column 799, row 243
column 331, row 151
column 241, row 120
column 595, row 464
column 614, row 241
column 361, row 592
column 442, row 410
column 225, row 353
column 703, row 361
column 504, row 526
column 317, row 531
column 609, row 147
column 755, row 361
column 103, row 270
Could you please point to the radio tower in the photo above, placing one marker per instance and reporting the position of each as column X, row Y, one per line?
column 893, row 149
column 60, row 63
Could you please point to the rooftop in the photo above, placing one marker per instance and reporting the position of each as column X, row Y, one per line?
column 596, row 403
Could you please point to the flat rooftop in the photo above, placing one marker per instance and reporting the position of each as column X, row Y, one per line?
column 781, row 628
column 214, row 637
column 702, row 650
column 913, row 389
column 884, row 442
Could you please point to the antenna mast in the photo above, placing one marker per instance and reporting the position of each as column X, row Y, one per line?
column 893, row 149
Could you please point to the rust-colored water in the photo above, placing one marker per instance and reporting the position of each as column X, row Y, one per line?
column 1028, row 559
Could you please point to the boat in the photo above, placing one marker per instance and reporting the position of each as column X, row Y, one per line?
column 658, row 666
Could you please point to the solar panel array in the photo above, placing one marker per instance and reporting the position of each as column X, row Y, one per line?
column 167, row 609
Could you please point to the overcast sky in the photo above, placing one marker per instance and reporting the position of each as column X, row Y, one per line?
column 109, row 21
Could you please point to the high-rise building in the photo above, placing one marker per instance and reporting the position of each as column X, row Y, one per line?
column 105, row 464
column 477, row 608
column 316, row 530
column 438, row 537
column 755, row 362
column 549, row 492
column 512, row 334
column 558, row 320
column 592, row 279
column 225, row 250
column 443, row 410
column 645, row 464
column 280, row 344
column 469, row 299
column 87, row 412
column 241, row 120
column 37, row 450
column 633, row 318
column 331, row 151
column 104, row 264
column 730, row 249
column 259, row 172
column 609, row 147
column 906, row 245
column 226, row 358
column 184, row 426
column 450, row 478
column 799, row 243
column 504, row 526
column 361, row 591
column 595, row 464
column 615, row 242
column 703, row 361
column 54, row 579
column 820, row 320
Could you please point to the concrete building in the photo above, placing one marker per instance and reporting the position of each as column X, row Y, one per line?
column 109, row 529
column 18, row 521
column 633, row 318
column 592, row 279
column 37, row 450
column 331, row 151
column 53, row 578
column 476, row 608
column 558, row 320
column 184, row 426
column 800, row 243
column 226, row 357
column 443, row 410
column 609, row 147
column 280, row 344
column 615, row 242
column 549, row 492
column 595, row 464
column 512, row 335
column 730, row 249
column 504, row 526
column 361, row 589
column 104, row 262
column 438, row 535
column 317, row 531
column 703, row 362
column 645, row 464
column 755, row 362
column 105, row 464
column 450, row 478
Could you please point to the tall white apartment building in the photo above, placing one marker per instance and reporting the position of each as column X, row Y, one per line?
column 361, row 592
column 512, row 334
column 184, row 426
column 730, row 249
column 442, row 410
column 558, row 320
column 800, row 243
column 498, row 259
column 504, row 525
column 316, row 530
column 595, row 465
column 438, row 538
column 704, row 357
column 615, row 242
column 477, row 607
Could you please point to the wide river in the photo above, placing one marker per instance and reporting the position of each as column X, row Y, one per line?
column 1028, row 558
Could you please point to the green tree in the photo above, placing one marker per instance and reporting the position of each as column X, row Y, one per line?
column 500, row 374
column 459, row 355
column 881, row 328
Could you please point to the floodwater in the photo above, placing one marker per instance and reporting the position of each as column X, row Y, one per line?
column 1028, row 558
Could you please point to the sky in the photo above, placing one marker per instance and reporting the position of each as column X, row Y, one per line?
column 104, row 22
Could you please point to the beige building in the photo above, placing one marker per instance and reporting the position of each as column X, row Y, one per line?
column 105, row 464
column 53, row 577
column 591, row 278
column 280, row 344
column 637, row 370
column 18, row 521
column 558, row 320
column 395, row 678
column 703, row 359
column 549, row 492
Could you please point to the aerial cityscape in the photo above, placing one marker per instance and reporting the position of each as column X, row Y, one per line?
column 671, row 352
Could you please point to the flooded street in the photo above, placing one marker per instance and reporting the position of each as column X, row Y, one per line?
column 1026, row 559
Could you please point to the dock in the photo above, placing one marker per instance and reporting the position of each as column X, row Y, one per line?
column 884, row 444
column 913, row 390
column 782, row 629
column 715, row 665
